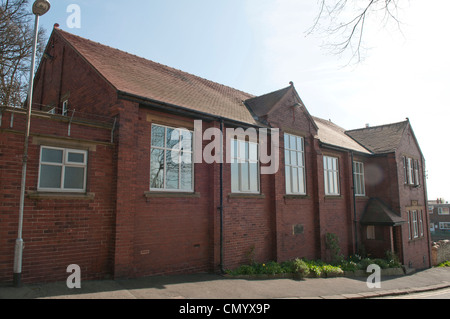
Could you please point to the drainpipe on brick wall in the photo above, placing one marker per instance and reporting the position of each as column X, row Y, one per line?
column 354, row 205
column 221, row 197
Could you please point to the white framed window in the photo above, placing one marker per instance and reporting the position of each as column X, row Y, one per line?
column 443, row 211
column 294, row 159
column 62, row 170
column 171, row 159
column 358, row 169
column 331, row 175
column 244, row 167
column 444, row 225
column 65, row 108
column 415, row 224
column 411, row 171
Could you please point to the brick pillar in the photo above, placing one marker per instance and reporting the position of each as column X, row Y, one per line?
column 126, row 192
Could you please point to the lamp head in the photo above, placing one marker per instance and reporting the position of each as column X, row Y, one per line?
column 41, row 7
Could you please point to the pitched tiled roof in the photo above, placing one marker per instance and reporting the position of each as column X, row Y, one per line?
column 332, row 134
column 380, row 139
column 262, row 105
column 153, row 81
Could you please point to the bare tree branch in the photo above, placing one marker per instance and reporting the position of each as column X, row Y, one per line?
column 16, row 41
column 346, row 21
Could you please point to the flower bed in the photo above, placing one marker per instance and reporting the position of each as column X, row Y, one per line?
column 303, row 268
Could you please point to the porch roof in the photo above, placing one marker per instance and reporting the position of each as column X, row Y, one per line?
column 378, row 213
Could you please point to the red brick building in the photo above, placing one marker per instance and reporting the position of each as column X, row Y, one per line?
column 439, row 214
column 104, row 190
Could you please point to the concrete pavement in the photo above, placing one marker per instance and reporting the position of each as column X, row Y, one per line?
column 211, row 286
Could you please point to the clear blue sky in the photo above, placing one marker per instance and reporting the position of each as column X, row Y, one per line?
column 258, row 46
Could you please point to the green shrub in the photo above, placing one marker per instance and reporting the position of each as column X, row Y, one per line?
column 246, row 270
column 444, row 264
column 300, row 268
column 271, row 268
column 348, row 265
column 331, row 271
column 317, row 268
column 288, row 266
column 381, row 262
column 392, row 260
column 364, row 263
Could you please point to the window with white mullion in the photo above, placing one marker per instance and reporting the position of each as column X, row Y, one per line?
column 331, row 175
column 62, row 170
column 244, row 167
column 294, row 164
column 359, row 185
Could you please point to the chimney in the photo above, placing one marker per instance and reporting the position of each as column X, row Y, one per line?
column 367, row 125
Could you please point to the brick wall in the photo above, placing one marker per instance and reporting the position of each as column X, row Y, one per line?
column 67, row 76
column 416, row 252
column 58, row 230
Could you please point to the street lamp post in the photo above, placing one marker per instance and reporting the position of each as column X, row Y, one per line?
column 40, row 7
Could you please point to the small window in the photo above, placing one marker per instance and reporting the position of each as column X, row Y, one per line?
column 62, row 170
column 331, row 175
column 65, row 108
column 371, row 232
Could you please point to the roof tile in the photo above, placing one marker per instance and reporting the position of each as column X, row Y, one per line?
column 380, row 139
column 150, row 80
